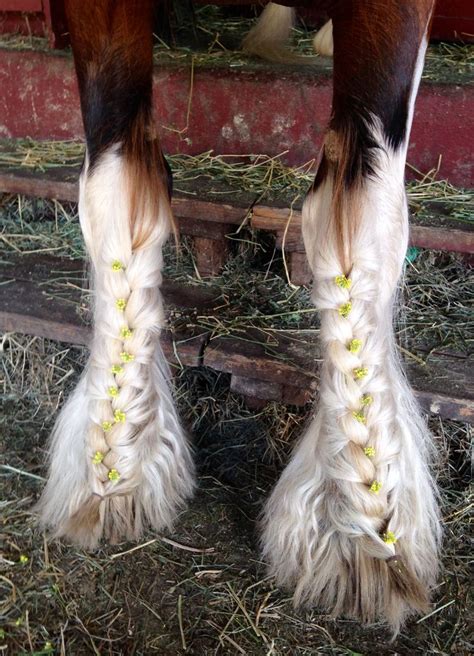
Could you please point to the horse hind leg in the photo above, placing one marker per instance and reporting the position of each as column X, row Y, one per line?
column 119, row 460
column 353, row 523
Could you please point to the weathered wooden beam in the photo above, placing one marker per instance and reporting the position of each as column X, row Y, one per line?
column 200, row 213
column 444, row 385
column 300, row 272
column 286, row 224
column 41, row 296
column 210, row 255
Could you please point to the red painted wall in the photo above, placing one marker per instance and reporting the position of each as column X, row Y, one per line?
column 232, row 111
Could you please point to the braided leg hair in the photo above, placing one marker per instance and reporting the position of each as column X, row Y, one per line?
column 353, row 524
column 119, row 458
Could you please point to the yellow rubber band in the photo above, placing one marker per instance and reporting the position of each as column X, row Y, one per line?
column 359, row 416
column 376, row 487
column 360, row 372
column 127, row 357
column 343, row 282
column 354, row 345
column 125, row 332
column 121, row 304
column 113, row 475
column 98, row 457
column 389, row 537
column 344, row 310
column 369, row 451
column 117, row 265
column 120, row 416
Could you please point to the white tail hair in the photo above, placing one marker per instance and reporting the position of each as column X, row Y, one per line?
column 119, row 459
column 323, row 42
column 267, row 38
column 353, row 522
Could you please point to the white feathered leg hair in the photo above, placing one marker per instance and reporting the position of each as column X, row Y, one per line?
column 119, row 459
column 352, row 525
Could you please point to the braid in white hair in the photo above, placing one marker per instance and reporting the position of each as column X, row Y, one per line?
column 119, row 458
column 353, row 522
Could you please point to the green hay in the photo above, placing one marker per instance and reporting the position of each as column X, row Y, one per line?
column 267, row 177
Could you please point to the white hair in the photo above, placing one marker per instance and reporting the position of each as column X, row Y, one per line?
column 353, row 522
column 119, row 459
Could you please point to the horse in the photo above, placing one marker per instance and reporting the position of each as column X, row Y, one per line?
column 353, row 523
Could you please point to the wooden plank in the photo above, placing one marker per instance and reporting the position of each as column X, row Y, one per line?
column 29, row 303
column 258, row 356
column 288, row 231
column 442, row 239
column 210, row 255
column 30, row 183
column 199, row 216
column 209, row 211
column 444, row 386
column 253, row 388
column 204, row 229
column 300, row 272
column 447, row 239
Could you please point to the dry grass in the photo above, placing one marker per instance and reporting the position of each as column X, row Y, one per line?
column 206, row 592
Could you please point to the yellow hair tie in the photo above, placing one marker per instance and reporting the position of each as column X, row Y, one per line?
column 117, row 265
column 389, row 537
column 376, row 487
column 359, row 416
column 345, row 309
column 343, row 282
column 113, row 391
column 369, row 451
column 354, row 345
column 125, row 332
column 121, row 304
column 113, row 475
column 360, row 372
column 366, row 399
column 119, row 416
column 106, row 426
column 98, row 457
column 127, row 357
column 117, row 369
